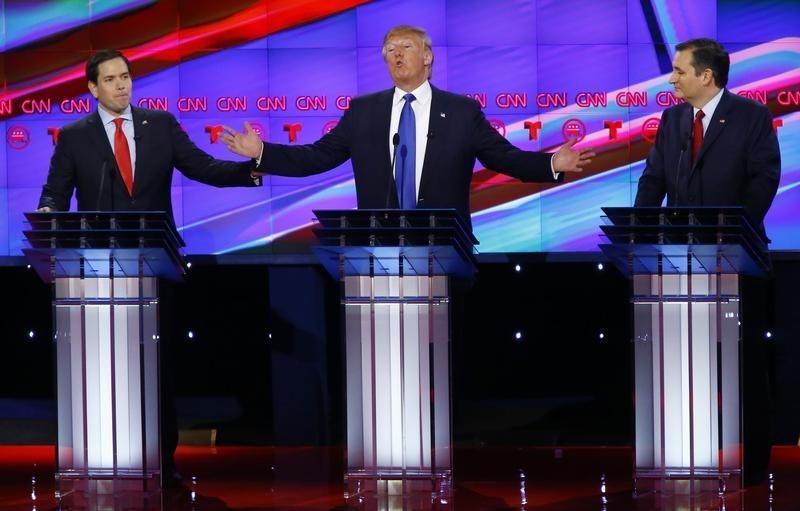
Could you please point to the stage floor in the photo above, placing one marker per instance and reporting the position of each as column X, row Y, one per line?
column 310, row 478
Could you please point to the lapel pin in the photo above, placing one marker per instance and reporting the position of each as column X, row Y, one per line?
column 442, row 115
column 144, row 122
column 722, row 121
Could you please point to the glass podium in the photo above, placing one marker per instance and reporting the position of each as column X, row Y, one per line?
column 685, row 265
column 394, row 267
column 104, row 269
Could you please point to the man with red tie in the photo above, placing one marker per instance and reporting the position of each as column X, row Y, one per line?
column 717, row 148
column 121, row 157
column 720, row 149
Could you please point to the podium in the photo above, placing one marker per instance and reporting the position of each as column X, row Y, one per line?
column 394, row 268
column 104, row 269
column 685, row 265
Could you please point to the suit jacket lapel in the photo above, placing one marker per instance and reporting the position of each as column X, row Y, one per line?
column 100, row 138
column 140, row 135
column 436, row 124
column 715, row 126
column 381, row 121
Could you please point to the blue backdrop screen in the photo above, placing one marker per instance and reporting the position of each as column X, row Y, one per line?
column 543, row 71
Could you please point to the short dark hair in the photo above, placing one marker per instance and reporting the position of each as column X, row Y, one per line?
column 708, row 54
column 98, row 57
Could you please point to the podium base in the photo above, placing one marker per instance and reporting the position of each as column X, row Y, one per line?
column 682, row 481
column 101, row 492
column 393, row 482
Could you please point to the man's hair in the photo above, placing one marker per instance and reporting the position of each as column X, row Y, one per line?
column 708, row 54
column 97, row 58
column 401, row 30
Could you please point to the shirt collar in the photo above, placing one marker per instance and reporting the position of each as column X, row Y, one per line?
column 107, row 118
column 711, row 106
column 422, row 94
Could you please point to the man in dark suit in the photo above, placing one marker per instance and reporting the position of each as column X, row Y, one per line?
column 738, row 162
column 85, row 160
column 450, row 133
column 121, row 158
column 720, row 149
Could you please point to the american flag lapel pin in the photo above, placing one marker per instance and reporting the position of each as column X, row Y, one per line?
column 442, row 115
column 144, row 122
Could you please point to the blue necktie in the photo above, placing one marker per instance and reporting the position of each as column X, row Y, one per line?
column 405, row 175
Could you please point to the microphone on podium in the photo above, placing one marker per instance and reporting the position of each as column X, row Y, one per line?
column 102, row 183
column 684, row 147
column 395, row 143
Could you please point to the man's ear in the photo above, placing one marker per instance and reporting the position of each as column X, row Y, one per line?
column 92, row 89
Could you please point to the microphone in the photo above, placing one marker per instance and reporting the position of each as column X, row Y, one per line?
column 102, row 182
column 395, row 143
column 684, row 147
column 403, row 155
column 111, row 175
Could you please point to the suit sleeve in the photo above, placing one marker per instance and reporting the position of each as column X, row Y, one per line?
column 763, row 167
column 652, row 183
column 325, row 154
column 498, row 154
column 57, row 190
column 200, row 166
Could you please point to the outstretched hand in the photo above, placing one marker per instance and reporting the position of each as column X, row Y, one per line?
column 246, row 144
column 567, row 159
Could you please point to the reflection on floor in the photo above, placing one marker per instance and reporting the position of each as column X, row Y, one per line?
column 310, row 478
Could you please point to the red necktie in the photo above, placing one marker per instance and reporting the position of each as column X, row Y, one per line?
column 697, row 134
column 123, row 155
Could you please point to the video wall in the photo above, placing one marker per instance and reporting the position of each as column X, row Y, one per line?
column 543, row 71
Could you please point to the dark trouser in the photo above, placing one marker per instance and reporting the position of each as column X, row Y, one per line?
column 167, row 352
column 757, row 391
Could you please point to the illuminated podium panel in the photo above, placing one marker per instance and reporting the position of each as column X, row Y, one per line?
column 394, row 267
column 104, row 269
column 685, row 266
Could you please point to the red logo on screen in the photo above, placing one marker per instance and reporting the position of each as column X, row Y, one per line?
column 777, row 123
column 612, row 127
column 18, row 137
column 498, row 125
column 650, row 128
column 573, row 128
column 260, row 130
column 213, row 132
column 53, row 132
column 292, row 129
column 328, row 126
column 533, row 129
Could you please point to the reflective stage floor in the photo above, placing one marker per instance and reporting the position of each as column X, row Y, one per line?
column 310, row 478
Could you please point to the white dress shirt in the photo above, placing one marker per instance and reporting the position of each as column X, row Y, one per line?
column 422, row 115
column 708, row 110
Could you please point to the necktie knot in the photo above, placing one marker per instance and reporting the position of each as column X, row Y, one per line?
column 118, row 121
column 409, row 97
column 699, row 115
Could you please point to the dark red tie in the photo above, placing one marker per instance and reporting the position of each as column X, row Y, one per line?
column 697, row 134
column 123, row 155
